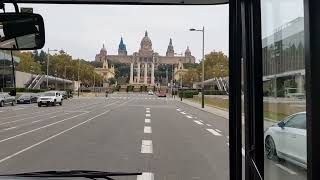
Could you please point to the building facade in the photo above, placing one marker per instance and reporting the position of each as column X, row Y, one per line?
column 145, row 61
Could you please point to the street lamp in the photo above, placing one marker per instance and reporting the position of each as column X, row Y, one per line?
column 202, row 87
column 48, row 55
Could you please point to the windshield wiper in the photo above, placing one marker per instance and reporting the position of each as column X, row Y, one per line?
column 75, row 173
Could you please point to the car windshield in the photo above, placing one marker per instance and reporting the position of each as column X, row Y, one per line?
column 49, row 94
column 146, row 89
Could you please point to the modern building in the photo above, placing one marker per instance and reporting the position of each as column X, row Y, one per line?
column 283, row 55
column 145, row 61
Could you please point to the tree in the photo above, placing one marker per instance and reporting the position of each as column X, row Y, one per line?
column 216, row 65
column 191, row 76
column 27, row 63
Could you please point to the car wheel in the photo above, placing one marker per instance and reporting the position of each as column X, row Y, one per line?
column 47, row 104
column 39, row 104
column 1, row 104
column 54, row 103
column 12, row 103
column 60, row 103
column 270, row 149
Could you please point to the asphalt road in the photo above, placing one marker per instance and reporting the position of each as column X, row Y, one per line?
column 161, row 137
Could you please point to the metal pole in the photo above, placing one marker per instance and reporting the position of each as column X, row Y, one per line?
column 79, row 78
column 172, row 82
column 48, row 69
column 94, row 83
column 202, row 91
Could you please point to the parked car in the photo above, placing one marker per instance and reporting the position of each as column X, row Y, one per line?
column 64, row 94
column 150, row 92
column 287, row 140
column 162, row 94
column 7, row 99
column 50, row 98
column 27, row 98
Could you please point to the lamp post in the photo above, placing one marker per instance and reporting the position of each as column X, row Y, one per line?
column 202, row 87
column 48, row 55
column 78, row 78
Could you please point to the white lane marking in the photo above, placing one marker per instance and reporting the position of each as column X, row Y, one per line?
column 8, row 129
column 51, row 137
column 178, row 110
column 148, row 115
column 201, row 121
column 147, row 111
column 243, row 152
column 147, row 129
column 182, row 112
column 198, row 122
column 146, row 176
column 227, row 144
column 56, row 116
column 227, row 137
column 147, row 108
column 42, row 127
column 145, row 98
column 147, row 120
column 17, row 109
column 218, row 130
column 209, row 125
column 190, row 117
column 214, row 132
column 146, row 146
column 286, row 169
column 8, row 122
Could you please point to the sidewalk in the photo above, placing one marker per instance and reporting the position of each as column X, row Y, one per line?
column 218, row 111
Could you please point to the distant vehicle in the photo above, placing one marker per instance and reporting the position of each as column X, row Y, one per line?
column 162, row 94
column 64, row 94
column 287, row 140
column 50, row 98
column 150, row 92
column 7, row 99
column 27, row 98
column 292, row 93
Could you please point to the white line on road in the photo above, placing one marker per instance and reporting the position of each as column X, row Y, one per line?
column 214, row 132
column 42, row 127
column 198, row 122
column 147, row 108
column 190, row 117
column 147, row 129
column 8, row 129
column 146, row 176
column 218, row 130
column 147, row 120
column 178, row 110
column 51, row 137
column 286, row 169
column 8, row 122
column 243, row 152
column 209, row 125
column 182, row 112
column 146, row 146
column 17, row 109
column 148, row 115
column 147, row 111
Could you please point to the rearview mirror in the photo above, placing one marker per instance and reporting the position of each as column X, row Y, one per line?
column 21, row 31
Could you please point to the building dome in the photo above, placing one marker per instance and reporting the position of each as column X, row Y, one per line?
column 103, row 50
column 146, row 43
column 187, row 52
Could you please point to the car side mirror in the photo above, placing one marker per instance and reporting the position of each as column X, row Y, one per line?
column 281, row 124
column 21, row 31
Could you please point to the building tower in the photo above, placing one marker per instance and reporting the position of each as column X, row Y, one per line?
column 170, row 50
column 122, row 50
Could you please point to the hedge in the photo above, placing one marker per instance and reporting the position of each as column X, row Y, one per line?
column 187, row 93
column 214, row 92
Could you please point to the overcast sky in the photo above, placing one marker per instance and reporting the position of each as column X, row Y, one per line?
column 82, row 29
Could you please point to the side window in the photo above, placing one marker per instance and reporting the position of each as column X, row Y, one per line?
column 298, row 121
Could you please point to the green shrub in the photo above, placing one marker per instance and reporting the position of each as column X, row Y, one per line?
column 25, row 90
column 187, row 93
column 214, row 92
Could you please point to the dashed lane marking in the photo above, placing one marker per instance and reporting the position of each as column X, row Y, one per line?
column 218, row 130
column 198, row 122
column 178, row 110
column 147, row 120
column 147, row 111
column 147, row 129
column 146, row 146
column 182, row 112
column 146, row 176
column 190, row 117
column 209, row 125
column 147, row 108
column 148, row 115
column 214, row 132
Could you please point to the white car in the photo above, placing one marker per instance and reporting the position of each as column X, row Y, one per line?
column 7, row 99
column 150, row 92
column 50, row 98
column 288, row 140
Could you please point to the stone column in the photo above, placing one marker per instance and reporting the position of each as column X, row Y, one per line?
column 138, row 73
column 145, row 73
column 131, row 73
column 152, row 74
